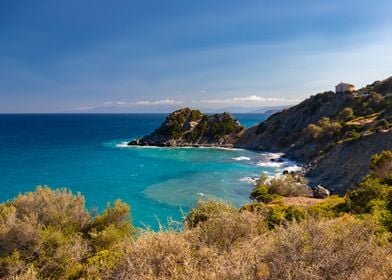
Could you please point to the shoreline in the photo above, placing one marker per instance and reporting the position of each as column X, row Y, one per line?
column 274, row 159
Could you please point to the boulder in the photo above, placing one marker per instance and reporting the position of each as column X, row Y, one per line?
column 320, row 192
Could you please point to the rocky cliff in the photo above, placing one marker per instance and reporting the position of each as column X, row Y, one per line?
column 333, row 135
column 347, row 163
column 285, row 131
column 186, row 127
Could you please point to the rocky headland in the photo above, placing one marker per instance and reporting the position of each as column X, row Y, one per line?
column 332, row 135
column 187, row 127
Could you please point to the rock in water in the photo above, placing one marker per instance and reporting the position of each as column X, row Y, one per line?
column 187, row 127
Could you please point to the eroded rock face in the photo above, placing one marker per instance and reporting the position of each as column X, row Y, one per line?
column 187, row 127
column 338, row 161
column 346, row 164
column 284, row 131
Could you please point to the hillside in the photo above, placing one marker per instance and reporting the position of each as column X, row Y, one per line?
column 333, row 135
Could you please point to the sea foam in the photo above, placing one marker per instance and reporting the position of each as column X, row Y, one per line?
column 241, row 158
column 249, row 180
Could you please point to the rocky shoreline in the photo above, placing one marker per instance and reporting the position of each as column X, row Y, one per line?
column 143, row 143
column 332, row 135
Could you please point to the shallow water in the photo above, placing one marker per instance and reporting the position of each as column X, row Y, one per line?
column 84, row 153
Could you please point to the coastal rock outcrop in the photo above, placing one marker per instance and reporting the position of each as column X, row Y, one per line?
column 332, row 135
column 187, row 127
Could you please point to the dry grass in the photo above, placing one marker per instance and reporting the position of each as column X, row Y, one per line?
column 364, row 120
column 301, row 201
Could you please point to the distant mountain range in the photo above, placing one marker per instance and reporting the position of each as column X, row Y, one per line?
column 270, row 109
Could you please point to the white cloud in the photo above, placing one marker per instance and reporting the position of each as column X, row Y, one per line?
column 158, row 102
column 142, row 102
column 243, row 101
column 251, row 99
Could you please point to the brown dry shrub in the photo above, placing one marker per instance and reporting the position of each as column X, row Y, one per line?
column 289, row 185
column 162, row 255
column 59, row 208
column 227, row 229
column 344, row 248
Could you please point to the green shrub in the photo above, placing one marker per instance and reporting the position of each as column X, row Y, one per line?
column 313, row 131
column 346, row 114
column 323, row 131
column 370, row 189
column 261, row 194
column 206, row 209
column 276, row 214
column 330, row 207
column 195, row 115
column 381, row 166
column 281, row 214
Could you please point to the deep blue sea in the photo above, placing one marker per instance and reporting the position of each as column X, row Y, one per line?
column 85, row 154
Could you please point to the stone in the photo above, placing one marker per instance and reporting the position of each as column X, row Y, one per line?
column 320, row 192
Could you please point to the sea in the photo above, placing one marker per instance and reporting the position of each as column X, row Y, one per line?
column 87, row 153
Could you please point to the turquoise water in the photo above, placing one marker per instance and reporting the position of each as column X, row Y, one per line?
column 85, row 153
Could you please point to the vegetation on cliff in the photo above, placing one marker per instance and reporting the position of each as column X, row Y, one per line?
column 48, row 234
column 326, row 131
column 325, row 120
column 186, row 127
column 366, row 114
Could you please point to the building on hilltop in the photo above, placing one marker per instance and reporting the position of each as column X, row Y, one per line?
column 344, row 87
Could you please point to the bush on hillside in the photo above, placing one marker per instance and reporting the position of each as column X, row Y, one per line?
column 323, row 131
column 373, row 195
column 381, row 166
column 346, row 114
column 342, row 248
column 269, row 189
column 206, row 209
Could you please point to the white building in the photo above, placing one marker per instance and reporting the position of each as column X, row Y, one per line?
column 344, row 87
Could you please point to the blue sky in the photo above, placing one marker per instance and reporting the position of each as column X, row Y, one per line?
column 154, row 56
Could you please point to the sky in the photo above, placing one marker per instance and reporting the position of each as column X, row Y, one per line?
column 156, row 56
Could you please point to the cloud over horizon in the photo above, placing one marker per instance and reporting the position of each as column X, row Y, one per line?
column 244, row 104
